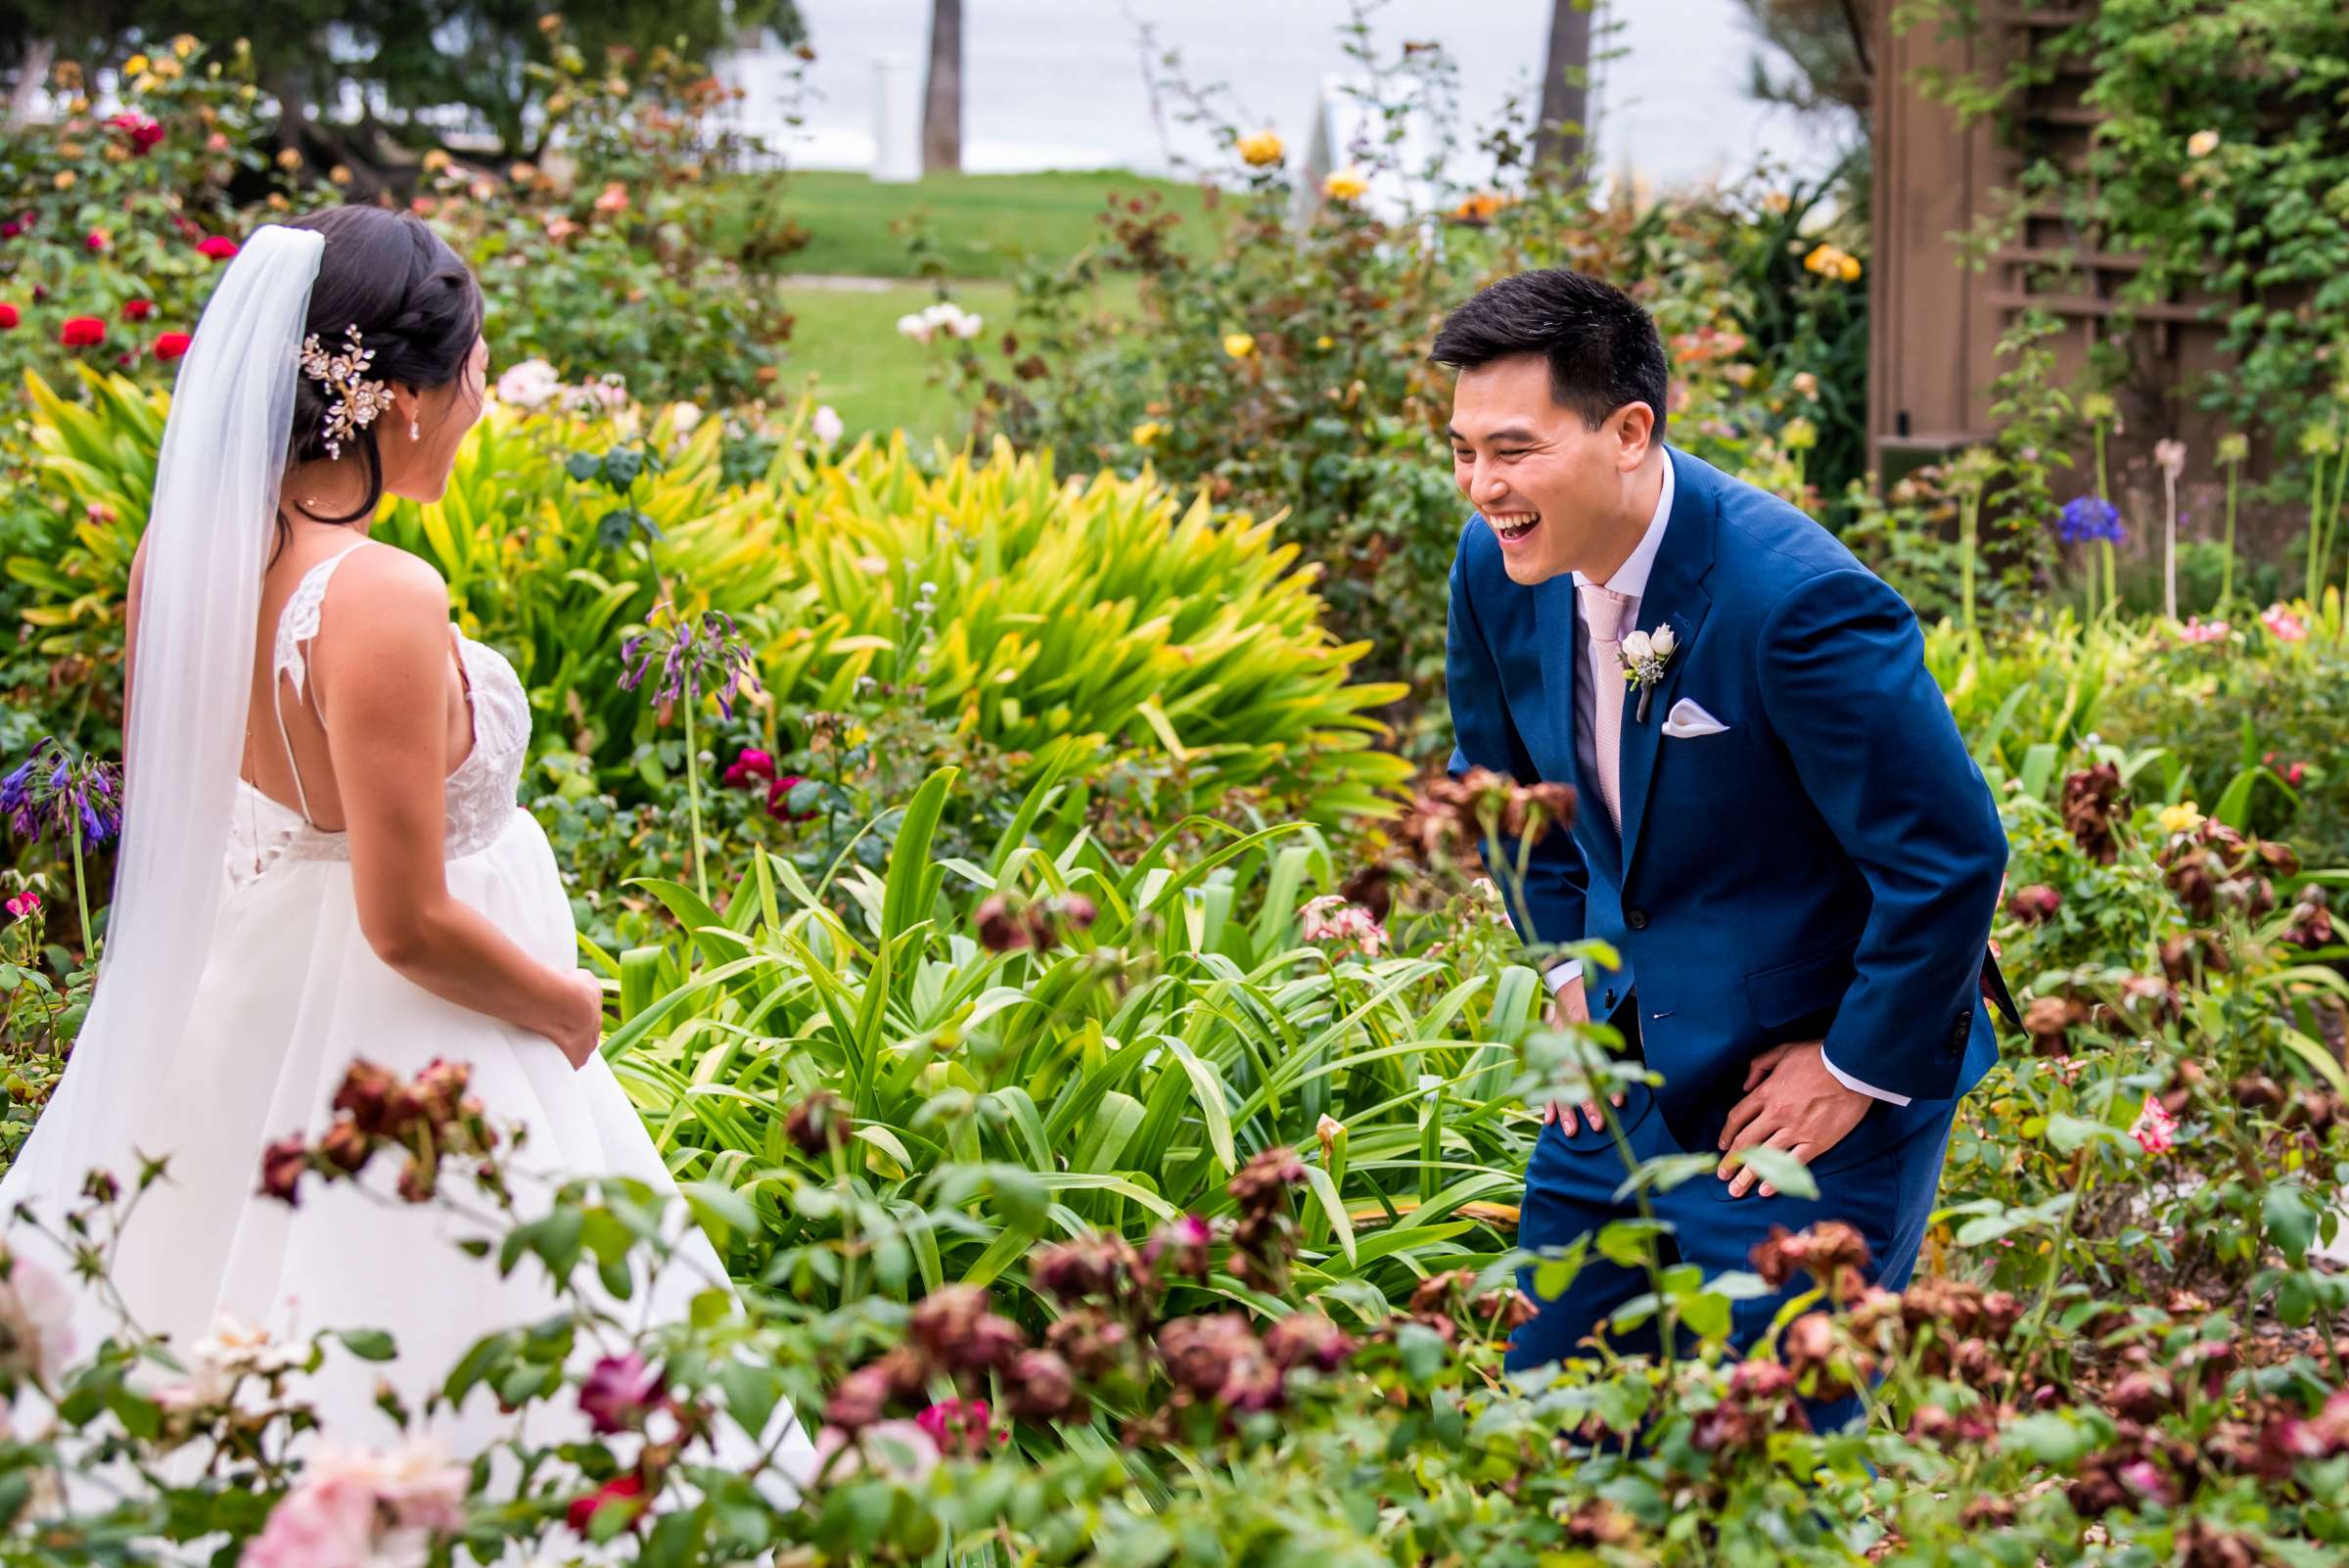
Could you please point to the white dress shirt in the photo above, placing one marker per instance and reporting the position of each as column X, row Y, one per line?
column 1629, row 579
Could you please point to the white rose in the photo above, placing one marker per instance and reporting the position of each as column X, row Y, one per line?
column 919, row 328
column 966, row 325
column 1637, row 648
column 827, row 425
column 685, row 416
column 1664, row 642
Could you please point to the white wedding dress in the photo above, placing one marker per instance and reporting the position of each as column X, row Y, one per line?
column 292, row 994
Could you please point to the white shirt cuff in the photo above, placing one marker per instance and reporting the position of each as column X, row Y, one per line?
column 1869, row 1089
column 1557, row 975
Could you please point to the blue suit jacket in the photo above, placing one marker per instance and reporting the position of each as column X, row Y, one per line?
column 1825, row 868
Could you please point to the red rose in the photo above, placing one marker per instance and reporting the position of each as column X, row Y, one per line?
column 218, row 247
column 8, row 317
column 98, row 239
column 137, row 309
column 171, row 345
column 81, row 332
column 611, row 1492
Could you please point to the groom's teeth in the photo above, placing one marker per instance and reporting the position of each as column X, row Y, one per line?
column 1516, row 525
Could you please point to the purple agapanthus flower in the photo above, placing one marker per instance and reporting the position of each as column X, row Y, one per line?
column 697, row 656
column 2087, row 518
column 50, row 792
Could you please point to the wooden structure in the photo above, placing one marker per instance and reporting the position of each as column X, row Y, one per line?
column 1937, row 316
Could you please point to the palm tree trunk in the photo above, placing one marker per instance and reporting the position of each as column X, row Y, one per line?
column 1562, row 138
column 942, row 100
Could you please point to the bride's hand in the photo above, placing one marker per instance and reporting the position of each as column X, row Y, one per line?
column 581, row 1029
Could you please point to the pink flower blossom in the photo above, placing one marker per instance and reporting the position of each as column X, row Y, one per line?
column 751, row 765
column 2288, row 626
column 619, row 1392
column 23, row 907
column 2156, row 1128
column 361, row 1510
column 1330, row 918
column 615, row 198
column 2202, row 630
column 959, row 1426
column 899, row 1451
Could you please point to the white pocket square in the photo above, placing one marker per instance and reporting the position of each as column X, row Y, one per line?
column 1687, row 720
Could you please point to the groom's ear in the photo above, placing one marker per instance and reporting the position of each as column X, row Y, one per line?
column 1633, row 427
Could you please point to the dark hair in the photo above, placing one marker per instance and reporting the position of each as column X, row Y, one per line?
column 1602, row 348
column 416, row 305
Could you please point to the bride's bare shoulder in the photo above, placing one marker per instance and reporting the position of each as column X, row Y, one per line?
column 385, row 593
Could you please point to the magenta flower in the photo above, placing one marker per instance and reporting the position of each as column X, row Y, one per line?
column 752, row 764
column 959, row 1426
column 619, row 1392
column 23, row 907
column 2156, row 1128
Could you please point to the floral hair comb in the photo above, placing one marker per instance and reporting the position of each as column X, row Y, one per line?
column 357, row 399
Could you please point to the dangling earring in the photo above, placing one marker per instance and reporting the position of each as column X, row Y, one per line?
column 415, row 431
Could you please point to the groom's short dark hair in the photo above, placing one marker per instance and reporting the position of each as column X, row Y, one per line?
column 1602, row 348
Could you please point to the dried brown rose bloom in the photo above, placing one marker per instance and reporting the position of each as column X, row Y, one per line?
column 419, row 1178
column 1824, row 1252
column 378, row 1101
column 1263, row 1183
column 1306, row 1338
column 2035, row 904
column 2093, row 802
column 2311, row 920
column 2050, row 1022
column 1098, row 1265
column 956, row 1330
column 819, row 1125
column 1183, row 1244
column 1599, row 1523
column 1987, row 1510
column 345, row 1146
column 1040, row 1386
column 999, row 930
column 2144, row 1396
column 282, row 1166
column 1090, row 1341
column 1507, row 1310
column 1201, row 1353
column 1373, row 887
column 860, row 1400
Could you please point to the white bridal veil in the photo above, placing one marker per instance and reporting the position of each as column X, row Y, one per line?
column 209, row 536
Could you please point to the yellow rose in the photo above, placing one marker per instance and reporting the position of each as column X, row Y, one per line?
column 2183, row 818
column 1239, row 345
column 289, row 158
column 134, row 65
column 1848, row 268
column 184, row 45
column 1260, row 150
column 167, row 68
column 338, row 175
column 1148, row 432
column 66, row 179
column 436, row 160
column 1326, row 341
column 1347, row 184
column 2201, row 144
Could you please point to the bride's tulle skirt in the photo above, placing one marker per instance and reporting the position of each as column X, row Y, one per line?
column 293, row 993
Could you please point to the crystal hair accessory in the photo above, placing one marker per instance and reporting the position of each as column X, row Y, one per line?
column 357, row 399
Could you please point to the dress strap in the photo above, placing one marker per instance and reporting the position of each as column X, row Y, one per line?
column 297, row 626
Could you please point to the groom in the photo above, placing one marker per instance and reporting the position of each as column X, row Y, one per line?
column 1779, row 830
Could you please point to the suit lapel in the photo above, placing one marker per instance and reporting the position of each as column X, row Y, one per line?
column 1675, row 597
column 1558, row 622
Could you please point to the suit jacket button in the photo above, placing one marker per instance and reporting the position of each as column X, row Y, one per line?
column 1636, row 919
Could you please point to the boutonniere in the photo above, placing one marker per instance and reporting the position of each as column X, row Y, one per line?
column 1645, row 656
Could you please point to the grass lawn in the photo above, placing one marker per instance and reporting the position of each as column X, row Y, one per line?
column 848, row 341
column 985, row 225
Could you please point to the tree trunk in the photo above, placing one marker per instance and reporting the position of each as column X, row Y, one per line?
column 293, row 106
column 942, row 100
column 1563, row 136
column 32, row 75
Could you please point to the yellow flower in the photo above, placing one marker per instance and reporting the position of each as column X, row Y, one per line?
column 1848, row 269
column 1832, row 261
column 288, row 157
column 2201, row 144
column 1148, row 432
column 1262, row 150
column 2099, row 407
column 436, row 160
column 1348, row 184
column 338, row 175
column 184, row 45
column 66, row 179
column 2184, row 817
column 1239, row 345
column 1326, row 341
column 167, row 69
column 134, row 65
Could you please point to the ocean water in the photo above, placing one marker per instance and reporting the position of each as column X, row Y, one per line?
column 1061, row 83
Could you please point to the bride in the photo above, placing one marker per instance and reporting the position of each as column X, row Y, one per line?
column 323, row 857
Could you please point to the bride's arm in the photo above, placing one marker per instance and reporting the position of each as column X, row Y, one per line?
column 382, row 667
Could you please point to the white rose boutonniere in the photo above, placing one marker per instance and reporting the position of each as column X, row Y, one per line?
column 1645, row 656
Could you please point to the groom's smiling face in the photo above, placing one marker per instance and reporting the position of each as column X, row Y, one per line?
column 1551, row 488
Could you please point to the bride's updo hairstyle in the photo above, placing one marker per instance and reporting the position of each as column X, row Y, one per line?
column 416, row 305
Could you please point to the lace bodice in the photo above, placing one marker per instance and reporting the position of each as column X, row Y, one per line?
column 479, row 796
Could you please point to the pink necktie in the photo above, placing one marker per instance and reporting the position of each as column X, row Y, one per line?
column 1603, row 613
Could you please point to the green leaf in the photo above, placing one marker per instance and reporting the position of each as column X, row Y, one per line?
column 368, row 1344
column 2292, row 1214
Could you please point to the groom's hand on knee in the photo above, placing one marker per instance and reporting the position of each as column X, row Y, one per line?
column 1792, row 1103
column 1571, row 1007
